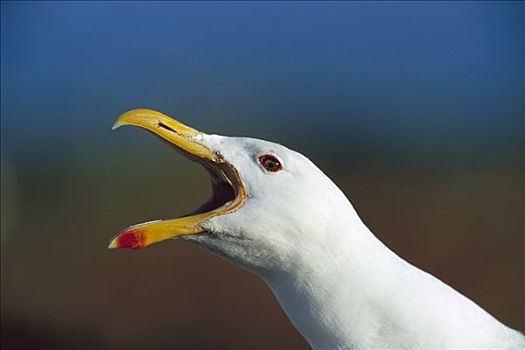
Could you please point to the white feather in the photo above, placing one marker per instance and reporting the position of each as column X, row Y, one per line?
column 339, row 285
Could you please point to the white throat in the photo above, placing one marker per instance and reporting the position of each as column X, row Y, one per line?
column 355, row 293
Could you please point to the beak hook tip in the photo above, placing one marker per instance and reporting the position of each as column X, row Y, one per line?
column 116, row 125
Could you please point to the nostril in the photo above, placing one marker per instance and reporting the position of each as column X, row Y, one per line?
column 164, row 126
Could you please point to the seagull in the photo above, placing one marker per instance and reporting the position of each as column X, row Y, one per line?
column 274, row 213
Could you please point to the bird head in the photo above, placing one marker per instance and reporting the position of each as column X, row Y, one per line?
column 268, row 202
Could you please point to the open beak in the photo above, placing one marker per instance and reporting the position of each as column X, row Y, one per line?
column 229, row 191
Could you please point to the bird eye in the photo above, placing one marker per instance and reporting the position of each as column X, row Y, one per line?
column 270, row 163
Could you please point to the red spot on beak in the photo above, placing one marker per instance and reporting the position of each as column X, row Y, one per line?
column 133, row 239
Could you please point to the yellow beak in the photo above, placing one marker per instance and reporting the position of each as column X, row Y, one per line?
column 183, row 138
column 168, row 129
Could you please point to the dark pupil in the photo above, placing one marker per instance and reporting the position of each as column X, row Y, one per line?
column 271, row 164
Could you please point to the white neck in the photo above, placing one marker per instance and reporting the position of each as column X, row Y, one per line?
column 364, row 296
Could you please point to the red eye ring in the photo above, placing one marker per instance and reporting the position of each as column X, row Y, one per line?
column 270, row 163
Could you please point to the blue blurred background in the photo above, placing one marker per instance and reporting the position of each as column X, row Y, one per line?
column 416, row 110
